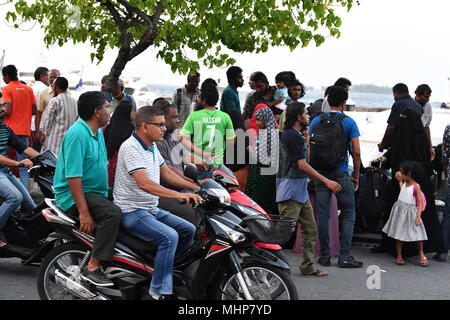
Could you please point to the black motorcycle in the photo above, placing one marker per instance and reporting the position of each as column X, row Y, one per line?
column 26, row 236
column 224, row 263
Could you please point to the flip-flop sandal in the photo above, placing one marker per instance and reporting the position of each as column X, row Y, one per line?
column 424, row 262
column 315, row 273
column 400, row 262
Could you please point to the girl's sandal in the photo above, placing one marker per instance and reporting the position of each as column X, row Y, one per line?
column 400, row 262
column 424, row 262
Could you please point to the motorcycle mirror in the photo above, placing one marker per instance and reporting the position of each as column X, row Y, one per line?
column 190, row 171
column 209, row 165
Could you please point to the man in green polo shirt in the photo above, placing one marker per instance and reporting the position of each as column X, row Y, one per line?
column 81, row 182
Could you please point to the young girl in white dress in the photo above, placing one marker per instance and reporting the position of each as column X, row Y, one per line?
column 405, row 224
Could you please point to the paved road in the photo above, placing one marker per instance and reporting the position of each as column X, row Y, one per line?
column 18, row 282
column 410, row 282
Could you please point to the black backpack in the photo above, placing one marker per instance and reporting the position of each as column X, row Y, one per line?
column 327, row 143
column 371, row 202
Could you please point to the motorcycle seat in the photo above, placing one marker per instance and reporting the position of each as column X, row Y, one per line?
column 134, row 242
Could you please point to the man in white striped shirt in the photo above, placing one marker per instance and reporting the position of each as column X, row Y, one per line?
column 61, row 114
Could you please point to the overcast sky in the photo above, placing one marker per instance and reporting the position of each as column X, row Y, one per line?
column 382, row 42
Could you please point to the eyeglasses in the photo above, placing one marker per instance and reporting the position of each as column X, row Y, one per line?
column 3, row 105
column 160, row 124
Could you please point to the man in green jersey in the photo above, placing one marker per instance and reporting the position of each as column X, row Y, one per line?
column 210, row 127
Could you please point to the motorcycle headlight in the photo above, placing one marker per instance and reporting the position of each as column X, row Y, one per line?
column 248, row 210
column 222, row 194
column 234, row 235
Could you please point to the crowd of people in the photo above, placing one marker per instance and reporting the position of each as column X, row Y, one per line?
column 122, row 164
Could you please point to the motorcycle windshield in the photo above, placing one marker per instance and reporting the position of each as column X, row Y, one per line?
column 47, row 158
column 228, row 176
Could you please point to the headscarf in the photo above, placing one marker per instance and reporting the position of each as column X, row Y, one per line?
column 119, row 127
column 265, row 140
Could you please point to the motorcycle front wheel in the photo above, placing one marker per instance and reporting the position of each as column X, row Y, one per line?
column 263, row 283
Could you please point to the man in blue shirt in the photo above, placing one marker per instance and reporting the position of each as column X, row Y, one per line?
column 230, row 96
column 402, row 101
column 81, row 182
column 337, row 98
column 292, row 183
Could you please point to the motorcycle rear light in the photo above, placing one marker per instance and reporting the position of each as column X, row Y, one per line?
column 47, row 214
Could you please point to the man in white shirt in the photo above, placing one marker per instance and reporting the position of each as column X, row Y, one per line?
column 44, row 99
column 137, row 189
column 41, row 83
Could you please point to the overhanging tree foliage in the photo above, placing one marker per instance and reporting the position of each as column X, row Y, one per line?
column 185, row 33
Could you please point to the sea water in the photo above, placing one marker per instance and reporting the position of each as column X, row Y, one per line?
column 369, row 100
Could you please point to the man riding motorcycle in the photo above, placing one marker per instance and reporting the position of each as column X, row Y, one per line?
column 11, row 189
column 136, row 191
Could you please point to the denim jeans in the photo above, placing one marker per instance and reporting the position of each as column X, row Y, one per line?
column 164, row 229
column 346, row 203
column 23, row 172
column 14, row 194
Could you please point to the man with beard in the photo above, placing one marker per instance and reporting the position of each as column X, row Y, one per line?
column 81, row 183
column 402, row 101
column 11, row 189
column 230, row 96
column 423, row 94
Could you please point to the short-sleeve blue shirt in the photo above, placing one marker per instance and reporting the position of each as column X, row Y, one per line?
column 82, row 155
column 350, row 130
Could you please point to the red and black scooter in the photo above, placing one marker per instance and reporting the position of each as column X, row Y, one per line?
column 234, row 259
column 242, row 205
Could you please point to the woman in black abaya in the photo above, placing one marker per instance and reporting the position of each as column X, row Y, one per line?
column 116, row 132
column 411, row 144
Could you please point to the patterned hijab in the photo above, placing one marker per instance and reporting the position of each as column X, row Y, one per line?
column 266, row 136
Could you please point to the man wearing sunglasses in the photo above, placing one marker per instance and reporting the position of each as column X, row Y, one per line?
column 137, row 190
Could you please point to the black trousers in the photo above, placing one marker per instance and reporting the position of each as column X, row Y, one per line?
column 106, row 216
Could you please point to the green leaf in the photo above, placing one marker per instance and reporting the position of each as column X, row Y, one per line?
column 188, row 32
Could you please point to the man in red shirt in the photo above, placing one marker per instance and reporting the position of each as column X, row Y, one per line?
column 20, row 106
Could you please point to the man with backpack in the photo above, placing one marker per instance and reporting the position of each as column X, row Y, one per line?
column 292, row 183
column 331, row 134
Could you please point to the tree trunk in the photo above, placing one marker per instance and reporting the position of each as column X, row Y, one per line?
column 116, row 70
